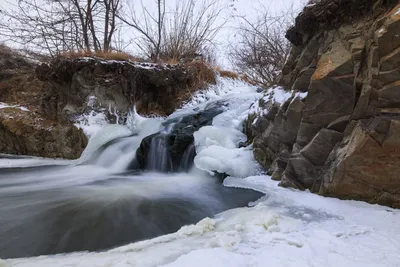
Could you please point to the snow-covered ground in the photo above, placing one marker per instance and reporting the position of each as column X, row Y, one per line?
column 285, row 228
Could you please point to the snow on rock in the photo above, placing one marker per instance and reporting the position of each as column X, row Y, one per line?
column 217, row 146
column 274, row 95
column 238, row 162
column 224, row 87
column 91, row 123
column 4, row 105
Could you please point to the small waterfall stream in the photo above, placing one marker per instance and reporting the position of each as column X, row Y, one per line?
column 127, row 186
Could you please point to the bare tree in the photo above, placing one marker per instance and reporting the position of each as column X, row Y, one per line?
column 263, row 49
column 183, row 31
column 149, row 26
column 61, row 25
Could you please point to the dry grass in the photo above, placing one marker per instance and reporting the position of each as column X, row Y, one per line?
column 203, row 75
column 246, row 79
column 227, row 73
column 18, row 82
column 171, row 61
column 111, row 55
column 234, row 75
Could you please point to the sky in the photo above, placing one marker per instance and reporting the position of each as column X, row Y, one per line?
column 226, row 37
column 250, row 9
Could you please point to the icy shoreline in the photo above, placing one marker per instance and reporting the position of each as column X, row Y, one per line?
column 286, row 228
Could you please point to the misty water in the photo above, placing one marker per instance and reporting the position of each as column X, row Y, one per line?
column 100, row 201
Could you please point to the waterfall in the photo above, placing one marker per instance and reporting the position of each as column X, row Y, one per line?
column 131, row 183
column 159, row 156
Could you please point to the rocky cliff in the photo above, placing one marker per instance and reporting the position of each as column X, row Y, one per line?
column 343, row 139
column 39, row 103
column 24, row 128
column 84, row 84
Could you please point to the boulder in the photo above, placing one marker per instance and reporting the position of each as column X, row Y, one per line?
column 172, row 149
column 27, row 133
column 365, row 168
column 24, row 128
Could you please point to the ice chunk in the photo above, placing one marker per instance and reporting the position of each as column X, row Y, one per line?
column 237, row 162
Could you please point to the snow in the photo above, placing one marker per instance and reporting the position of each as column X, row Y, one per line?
column 301, row 95
column 4, row 105
column 217, row 145
column 91, row 123
column 224, row 87
column 397, row 12
column 285, row 228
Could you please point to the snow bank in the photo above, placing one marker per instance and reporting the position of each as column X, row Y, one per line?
column 287, row 228
column 217, row 145
column 223, row 88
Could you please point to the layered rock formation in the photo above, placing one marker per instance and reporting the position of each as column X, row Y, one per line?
column 55, row 95
column 116, row 86
column 24, row 129
column 343, row 140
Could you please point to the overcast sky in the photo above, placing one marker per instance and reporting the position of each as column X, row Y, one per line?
column 247, row 8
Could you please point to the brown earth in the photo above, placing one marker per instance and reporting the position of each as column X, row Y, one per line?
column 31, row 132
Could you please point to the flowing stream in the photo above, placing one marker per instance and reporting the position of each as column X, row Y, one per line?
column 103, row 200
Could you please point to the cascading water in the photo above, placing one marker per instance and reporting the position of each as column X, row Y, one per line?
column 128, row 185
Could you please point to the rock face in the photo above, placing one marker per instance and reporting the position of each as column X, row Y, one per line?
column 343, row 139
column 57, row 94
column 116, row 86
column 172, row 149
column 26, row 130
column 27, row 133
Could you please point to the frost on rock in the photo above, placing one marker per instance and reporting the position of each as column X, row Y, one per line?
column 4, row 105
column 91, row 123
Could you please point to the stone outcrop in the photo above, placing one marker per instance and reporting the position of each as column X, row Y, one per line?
column 27, row 133
column 116, row 86
column 344, row 137
column 24, row 129
column 172, row 149
column 56, row 94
